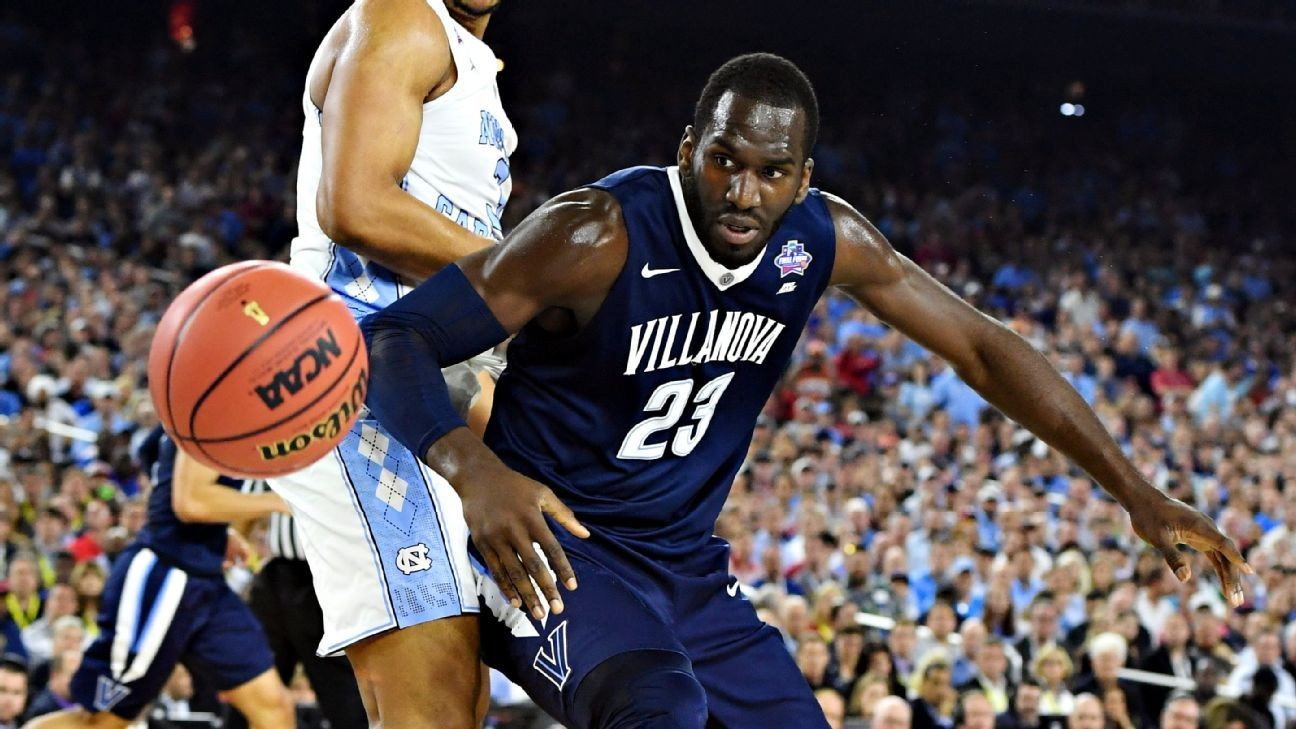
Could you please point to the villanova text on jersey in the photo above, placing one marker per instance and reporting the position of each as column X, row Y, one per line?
column 740, row 336
column 640, row 420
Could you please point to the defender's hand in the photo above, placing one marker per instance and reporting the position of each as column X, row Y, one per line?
column 1165, row 523
column 506, row 512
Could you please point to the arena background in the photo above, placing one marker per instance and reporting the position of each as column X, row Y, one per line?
column 143, row 143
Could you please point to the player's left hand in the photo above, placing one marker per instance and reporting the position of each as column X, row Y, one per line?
column 1165, row 523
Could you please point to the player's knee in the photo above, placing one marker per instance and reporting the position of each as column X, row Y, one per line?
column 642, row 690
column 394, row 701
column 270, row 706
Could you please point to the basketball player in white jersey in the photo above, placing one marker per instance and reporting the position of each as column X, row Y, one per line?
column 404, row 169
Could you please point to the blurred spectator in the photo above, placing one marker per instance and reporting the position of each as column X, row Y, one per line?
column 1052, row 667
column 812, row 659
column 834, row 707
column 13, row 690
column 1171, row 657
column 1088, row 713
column 1181, row 712
column 974, row 711
column 38, row 638
column 892, row 712
column 1107, row 655
column 89, row 579
column 934, row 697
column 173, row 702
column 991, row 677
column 57, row 695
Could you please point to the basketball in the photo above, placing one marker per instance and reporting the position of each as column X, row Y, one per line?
column 257, row 370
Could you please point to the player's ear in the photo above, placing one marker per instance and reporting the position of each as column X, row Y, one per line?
column 684, row 156
column 804, row 189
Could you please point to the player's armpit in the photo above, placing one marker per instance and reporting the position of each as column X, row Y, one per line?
column 393, row 54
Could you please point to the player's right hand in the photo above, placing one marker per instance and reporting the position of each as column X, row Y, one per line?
column 506, row 513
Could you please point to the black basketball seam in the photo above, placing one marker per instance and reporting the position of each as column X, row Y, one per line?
column 225, row 439
column 193, row 412
column 226, row 468
column 184, row 327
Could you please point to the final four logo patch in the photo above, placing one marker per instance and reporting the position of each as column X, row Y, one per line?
column 792, row 259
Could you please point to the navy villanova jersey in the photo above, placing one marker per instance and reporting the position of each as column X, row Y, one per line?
column 640, row 421
column 198, row 549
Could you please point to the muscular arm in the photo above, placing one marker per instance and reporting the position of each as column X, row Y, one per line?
column 559, row 262
column 394, row 54
column 1018, row 380
column 196, row 496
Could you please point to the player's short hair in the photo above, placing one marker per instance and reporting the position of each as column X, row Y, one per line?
column 763, row 77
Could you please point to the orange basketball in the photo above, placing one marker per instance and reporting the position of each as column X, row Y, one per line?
column 257, row 370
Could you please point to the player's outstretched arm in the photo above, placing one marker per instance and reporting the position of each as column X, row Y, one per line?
column 196, row 496
column 394, row 54
column 1018, row 380
column 557, row 265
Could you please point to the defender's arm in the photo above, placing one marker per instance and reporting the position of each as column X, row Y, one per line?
column 1018, row 380
column 561, row 260
column 196, row 496
column 395, row 53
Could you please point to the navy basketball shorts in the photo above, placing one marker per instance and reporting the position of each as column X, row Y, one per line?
column 626, row 602
column 154, row 616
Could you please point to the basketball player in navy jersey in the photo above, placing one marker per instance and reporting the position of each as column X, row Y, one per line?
column 656, row 310
column 166, row 602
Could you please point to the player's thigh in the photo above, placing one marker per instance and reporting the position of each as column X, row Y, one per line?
column 384, row 536
column 78, row 718
column 264, row 701
column 605, row 617
column 148, row 614
column 429, row 669
column 750, row 679
column 230, row 649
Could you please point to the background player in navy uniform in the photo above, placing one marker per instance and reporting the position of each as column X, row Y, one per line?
column 657, row 309
column 166, row 602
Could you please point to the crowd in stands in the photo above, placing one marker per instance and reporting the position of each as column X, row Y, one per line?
column 930, row 563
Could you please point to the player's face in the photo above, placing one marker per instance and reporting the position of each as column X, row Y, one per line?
column 741, row 174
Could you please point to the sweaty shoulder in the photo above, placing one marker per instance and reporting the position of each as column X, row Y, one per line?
column 404, row 37
column 863, row 254
column 566, row 254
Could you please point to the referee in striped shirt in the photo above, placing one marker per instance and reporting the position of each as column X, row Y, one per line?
column 283, row 599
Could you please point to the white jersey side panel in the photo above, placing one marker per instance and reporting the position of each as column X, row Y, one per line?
column 460, row 167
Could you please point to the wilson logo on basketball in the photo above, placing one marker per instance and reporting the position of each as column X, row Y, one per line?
column 305, row 368
column 336, row 422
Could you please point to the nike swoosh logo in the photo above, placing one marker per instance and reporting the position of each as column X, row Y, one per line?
column 650, row 272
column 732, row 588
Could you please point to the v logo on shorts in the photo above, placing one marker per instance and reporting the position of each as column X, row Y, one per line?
column 108, row 693
column 551, row 659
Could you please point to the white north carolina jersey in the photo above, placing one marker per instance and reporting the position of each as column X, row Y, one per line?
column 460, row 167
